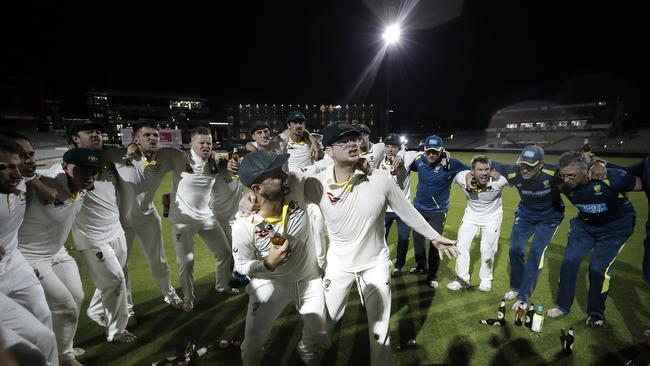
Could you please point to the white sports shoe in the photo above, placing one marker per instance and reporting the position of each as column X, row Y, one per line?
column 485, row 286
column 433, row 284
column 457, row 285
column 554, row 313
column 511, row 295
column 518, row 304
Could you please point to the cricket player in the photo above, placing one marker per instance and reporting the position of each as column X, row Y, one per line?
column 30, row 323
column 398, row 163
column 41, row 240
column 17, row 278
column 282, row 270
column 190, row 214
column 436, row 171
column 354, row 207
column 484, row 212
column 138, row 178
column 373, row 153
column 99, row 237
column 605, row 221
column 539, row 214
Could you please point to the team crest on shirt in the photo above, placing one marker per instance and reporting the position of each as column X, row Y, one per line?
column 546, row 183
column 333, row 199
column 264, row 231
column 597, row 190
column 327, row 283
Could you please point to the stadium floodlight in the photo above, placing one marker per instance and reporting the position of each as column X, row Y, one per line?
column 391, row 34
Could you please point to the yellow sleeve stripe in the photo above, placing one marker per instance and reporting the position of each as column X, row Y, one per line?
column 549, row 172
column 512, row 175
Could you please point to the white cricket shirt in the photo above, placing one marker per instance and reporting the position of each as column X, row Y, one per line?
column 403, row 176
column 252, row 240
column 46, row 227
column 486, row 204
column 354, row 217
column 12, row 212
column 191, row 189
column 226, row 194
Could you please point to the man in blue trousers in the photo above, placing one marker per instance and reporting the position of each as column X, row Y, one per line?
column 539, row 213
column 436, row 172
column 604, row 223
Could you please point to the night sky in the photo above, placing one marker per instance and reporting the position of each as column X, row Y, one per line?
column 457, row 63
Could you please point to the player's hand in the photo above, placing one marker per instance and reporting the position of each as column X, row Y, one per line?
column 44, row 193
column 495, row 175
column 397, row 162
column 446, row 246
column 597, row 171
column 470, row 182
column 364, row 166
column 315, row 151
column 248, row 204
column 278, row 255
column 233, row 166
column 2, row 252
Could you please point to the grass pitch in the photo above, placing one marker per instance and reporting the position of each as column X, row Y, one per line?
column 443, row 323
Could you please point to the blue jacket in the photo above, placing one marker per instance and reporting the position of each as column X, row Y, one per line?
column 434, row 183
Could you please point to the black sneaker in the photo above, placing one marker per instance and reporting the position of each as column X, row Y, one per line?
column 416, row 270
column 594, row 322
column 396, row 272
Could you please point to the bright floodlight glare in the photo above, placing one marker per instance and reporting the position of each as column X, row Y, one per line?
column 392, row 33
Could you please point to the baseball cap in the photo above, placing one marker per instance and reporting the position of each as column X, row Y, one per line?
column 531, row 155
column 362, row 128
column 84, row 157
column 392, row 139
column 259, row 125
column 296, row 116
column 433, row 142
column 334, row 131
column 257, row 163
column 74, row 127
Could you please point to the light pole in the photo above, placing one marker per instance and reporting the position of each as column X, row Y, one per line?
column 391, row 36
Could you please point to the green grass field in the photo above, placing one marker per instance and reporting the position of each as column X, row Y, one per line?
column 444, row 323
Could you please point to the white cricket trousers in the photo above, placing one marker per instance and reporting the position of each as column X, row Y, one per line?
column 149, row 229
column 215, row 239
column 19, row 282
column 20, row 326
column 266, row 301
column 105, row 262
column 373, row 285
column 59, row 276
column 489, row 244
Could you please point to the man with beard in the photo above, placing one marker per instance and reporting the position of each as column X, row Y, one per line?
column 139, row 177
column 190, row 214
column 22, row 299
column 99, row 237
column 605, row 221
column 484, row 212
column 41, row 240
column 19, row 282
column 274, row 248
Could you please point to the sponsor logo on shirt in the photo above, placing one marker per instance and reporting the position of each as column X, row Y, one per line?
column 592, row 208
column 264, row 232
column 535, row 193
column 333, row 199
